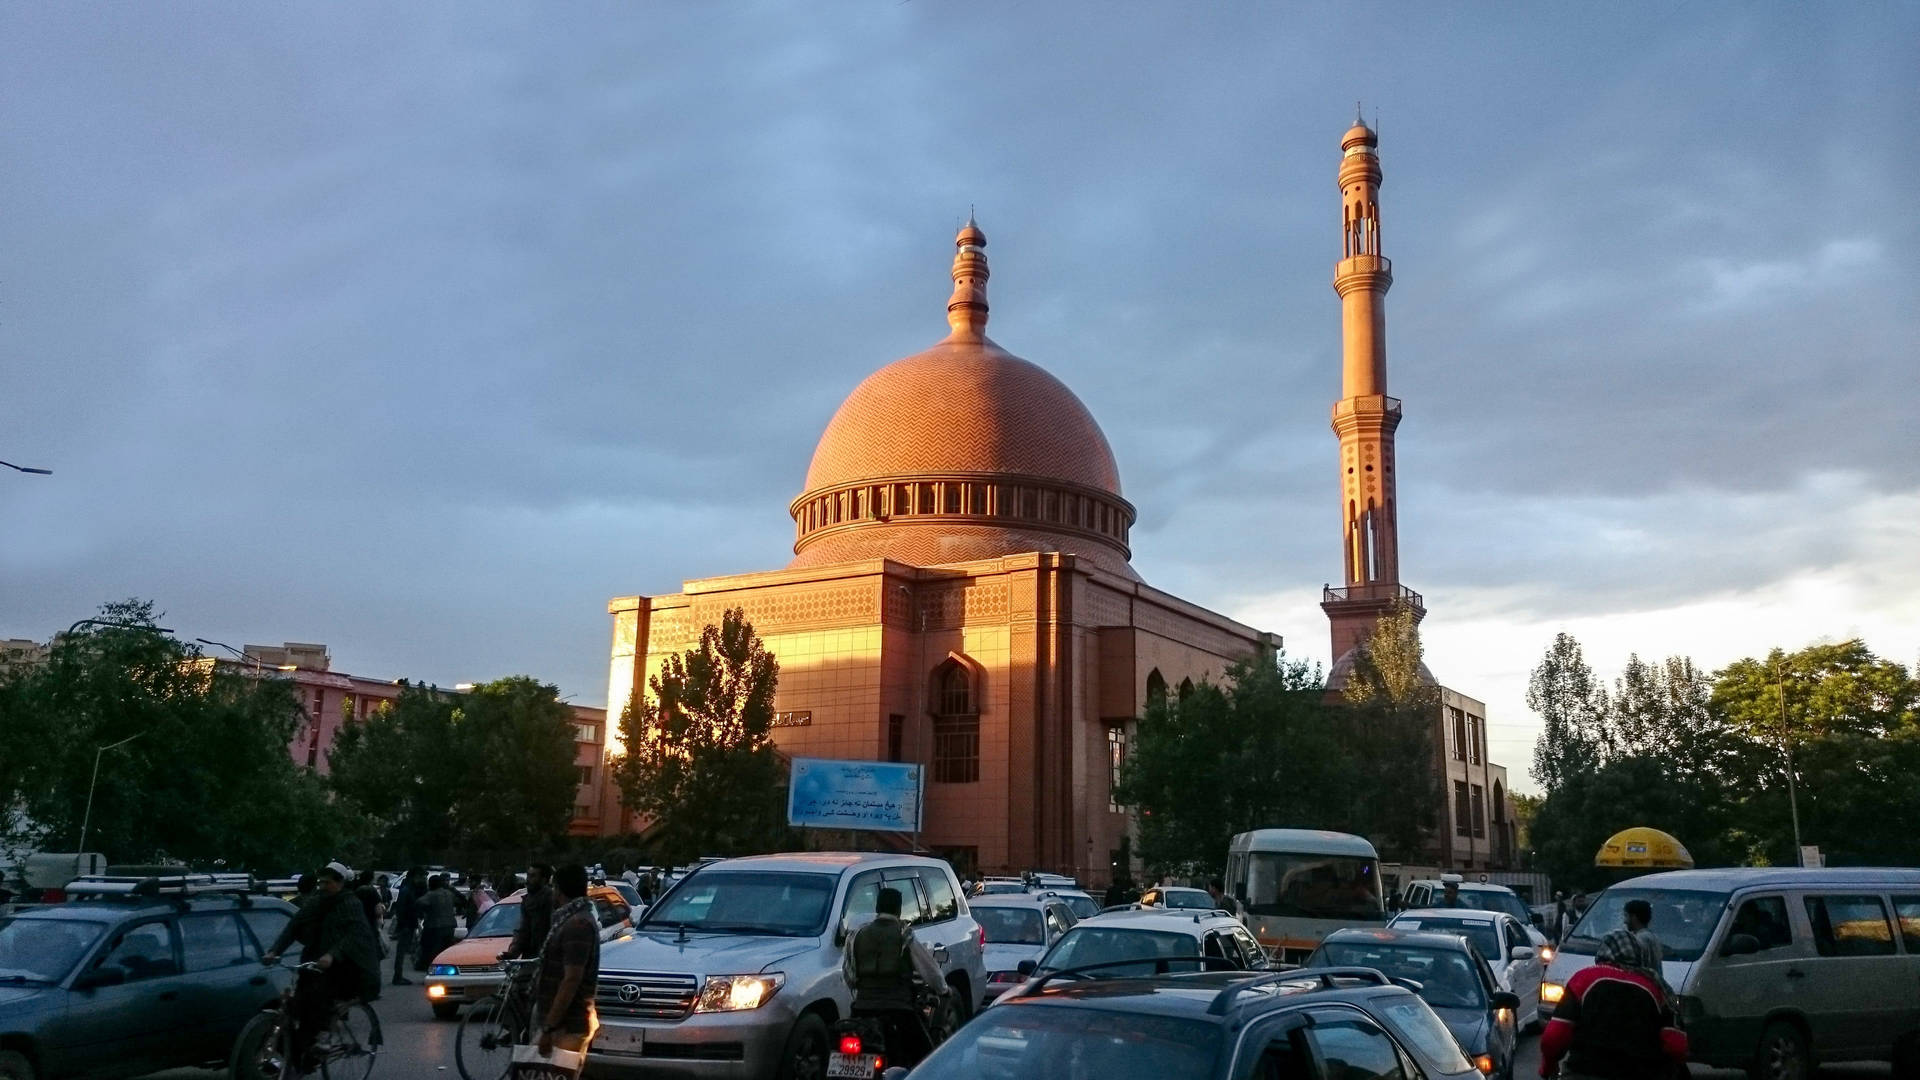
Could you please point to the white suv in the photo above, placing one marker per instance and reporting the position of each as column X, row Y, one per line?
column 735, row 972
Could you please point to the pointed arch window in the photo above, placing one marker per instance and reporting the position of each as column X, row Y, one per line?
column 956, row 725
column 1156, row 688
column 1186, row 689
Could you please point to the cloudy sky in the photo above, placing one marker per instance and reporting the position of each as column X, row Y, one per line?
column 423, row 331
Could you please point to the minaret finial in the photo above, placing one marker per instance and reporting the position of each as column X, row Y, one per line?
column 967, row 311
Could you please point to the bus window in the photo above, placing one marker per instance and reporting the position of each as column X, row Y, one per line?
column 1313, row 886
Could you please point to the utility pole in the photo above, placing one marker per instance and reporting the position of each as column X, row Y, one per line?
column 1786, row 743
column 87, row 820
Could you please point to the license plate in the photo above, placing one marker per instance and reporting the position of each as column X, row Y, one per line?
column 620, row 1040
column 853, row 1066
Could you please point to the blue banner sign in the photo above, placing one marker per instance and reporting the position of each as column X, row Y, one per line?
column 876, row 795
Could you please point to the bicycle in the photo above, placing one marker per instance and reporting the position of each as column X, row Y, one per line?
column 345, row 1051
column 494, row 1025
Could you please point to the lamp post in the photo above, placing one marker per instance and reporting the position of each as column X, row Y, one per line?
column 87, row 819
column 27, row 469
column 245, row 658
column 1786, row 744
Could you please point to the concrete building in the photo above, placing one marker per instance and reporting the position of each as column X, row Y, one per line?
column 961, row 596
column 1476, row 831
column 21, row 652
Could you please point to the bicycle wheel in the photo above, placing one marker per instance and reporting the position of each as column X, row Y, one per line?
column 356, row 1043
column 260, row 1053
column 483, row 1047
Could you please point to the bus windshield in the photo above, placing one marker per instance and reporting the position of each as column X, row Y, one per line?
column 1313, row 886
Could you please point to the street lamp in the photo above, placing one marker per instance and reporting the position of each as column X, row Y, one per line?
column 245, row 658
column 1786, row 744
column 87, row 819
column 27, row 469
column 117, row 624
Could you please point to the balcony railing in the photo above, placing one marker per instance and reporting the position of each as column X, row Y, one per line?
column 1377, row 591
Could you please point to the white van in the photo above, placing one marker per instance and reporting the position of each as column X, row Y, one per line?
column 1778, row 968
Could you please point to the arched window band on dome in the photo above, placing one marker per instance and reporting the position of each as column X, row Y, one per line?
column 1052, row 504
column 955, row 704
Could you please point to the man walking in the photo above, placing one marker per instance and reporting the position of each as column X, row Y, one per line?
column 437, row 920
column 569, row 968
column 1649, row 955
column 536, row 914
column 406, row 922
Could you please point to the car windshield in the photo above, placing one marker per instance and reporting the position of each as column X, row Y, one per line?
column 1484, row 935
column 1094, row 944
column 1011, row 925
column 1683, row 920
column 1083, row 907
column 1500, row 900
column 501, row 920
column 746, row 902
column 1193, row 899
column 1447, row 977
column 1019, row 1042
column 1313, row 886
column 44, row 950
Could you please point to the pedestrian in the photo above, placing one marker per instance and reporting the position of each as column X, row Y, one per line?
column 303, row 890
column 569, row 969
column 1649, row 954
column 386, row 892
column 647, row 888
column 1560, row 916
column 406, row 921
column 1217, row 889
column 1450, row 892
column 481, row 900
column 1613, row 1021
column 369, row 897
column 536, row 914
column 437, row 920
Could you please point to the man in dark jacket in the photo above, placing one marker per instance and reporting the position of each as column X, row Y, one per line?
column 1613, row 1022
column 880, row 964
column 536, row 914
column 406, row 922
column 335, row 936
column 438, row 918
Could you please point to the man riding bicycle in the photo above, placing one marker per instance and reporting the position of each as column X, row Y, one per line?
column 335, row 937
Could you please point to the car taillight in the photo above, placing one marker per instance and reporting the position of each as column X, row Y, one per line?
column 850, row 1044
column 980, row 937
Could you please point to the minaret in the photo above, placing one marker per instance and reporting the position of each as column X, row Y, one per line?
column 1365, row 417
column 967, row 311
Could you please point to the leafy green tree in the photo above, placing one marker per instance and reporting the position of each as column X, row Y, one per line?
column 700, row 760
column 1392, row 707
column 206, row 776
column 1570, row 701
column 1827, row 689
column 404, row 767
column 1259, row 750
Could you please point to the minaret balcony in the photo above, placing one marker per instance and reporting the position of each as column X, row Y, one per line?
column 1366, row 405
column 1372, row 592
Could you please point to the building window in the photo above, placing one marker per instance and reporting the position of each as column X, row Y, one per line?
column 586, row 733
column 1479, row 810
column 1116, row 758
column 952, row 497
column 1459, row 733
column 1462, row 810
column 1477, row 727
column 896, row 737
column 956, row 727
column 1156, row 689
column 1186, row 689
column 976, row 498
column 586, row 775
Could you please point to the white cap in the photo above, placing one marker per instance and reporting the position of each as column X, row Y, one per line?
column 1450, row 879
column 341, row 869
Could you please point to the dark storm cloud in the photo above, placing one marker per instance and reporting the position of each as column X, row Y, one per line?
column 423, row 332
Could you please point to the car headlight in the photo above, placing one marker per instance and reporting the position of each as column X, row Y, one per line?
column 737, row 993
column 443, row 969
column 1546, row 954
column 1484, row 1063
column 1552, row 992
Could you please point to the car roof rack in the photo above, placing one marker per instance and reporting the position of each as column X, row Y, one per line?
column 1324, row 976
column 1160, row 964
column 179, row 886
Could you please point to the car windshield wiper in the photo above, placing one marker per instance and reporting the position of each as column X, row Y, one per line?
column 12, row 978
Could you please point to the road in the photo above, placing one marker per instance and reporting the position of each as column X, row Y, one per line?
column 1527, row 1066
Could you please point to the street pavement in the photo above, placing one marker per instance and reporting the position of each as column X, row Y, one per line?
column 417, row 1045
column 1527, row 1066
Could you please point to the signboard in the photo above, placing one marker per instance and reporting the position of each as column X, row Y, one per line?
column 1810, row 856
column 877, row 795
column 802, row 718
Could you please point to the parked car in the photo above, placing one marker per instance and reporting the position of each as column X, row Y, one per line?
column 1426, row 893
column 998, row 886
column 470, row 968
column 1083, row 905
column 736, row 972
column 1018, row 929
column 135, row 976
column 1148, row 941
column 1175, row 896
column 1778, row 967
column 1501, row 940
column 1295, row 1025
column 628, row 893
column 1453, row 978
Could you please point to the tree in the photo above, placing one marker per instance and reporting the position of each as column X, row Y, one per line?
column 700, row 758
column 1392, row 706
column 1569, row 701
column 206, row 776
column 1256, row 751
column 483, row 776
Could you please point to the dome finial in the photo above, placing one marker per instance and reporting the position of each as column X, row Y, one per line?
column 967, row 311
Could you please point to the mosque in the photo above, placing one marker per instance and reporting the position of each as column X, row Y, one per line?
column 966, row 600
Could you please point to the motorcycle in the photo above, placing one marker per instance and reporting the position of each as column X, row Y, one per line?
column 858, row 1043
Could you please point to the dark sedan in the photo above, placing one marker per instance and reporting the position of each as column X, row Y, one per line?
column 1453, row 979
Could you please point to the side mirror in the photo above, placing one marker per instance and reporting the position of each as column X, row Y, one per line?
column 1025, row 968
column 100, row 976
column 1503, row 999
column 1522, row 952
column 1740, row 945
column 459, row 933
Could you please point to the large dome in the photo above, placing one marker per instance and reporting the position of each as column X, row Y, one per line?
column 962, row 452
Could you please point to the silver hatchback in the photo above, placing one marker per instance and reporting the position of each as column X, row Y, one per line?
column 736, row 971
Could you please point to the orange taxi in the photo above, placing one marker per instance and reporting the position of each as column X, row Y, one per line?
column 470, row 968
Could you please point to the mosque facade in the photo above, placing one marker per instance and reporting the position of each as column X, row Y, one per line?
column 961, row 593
